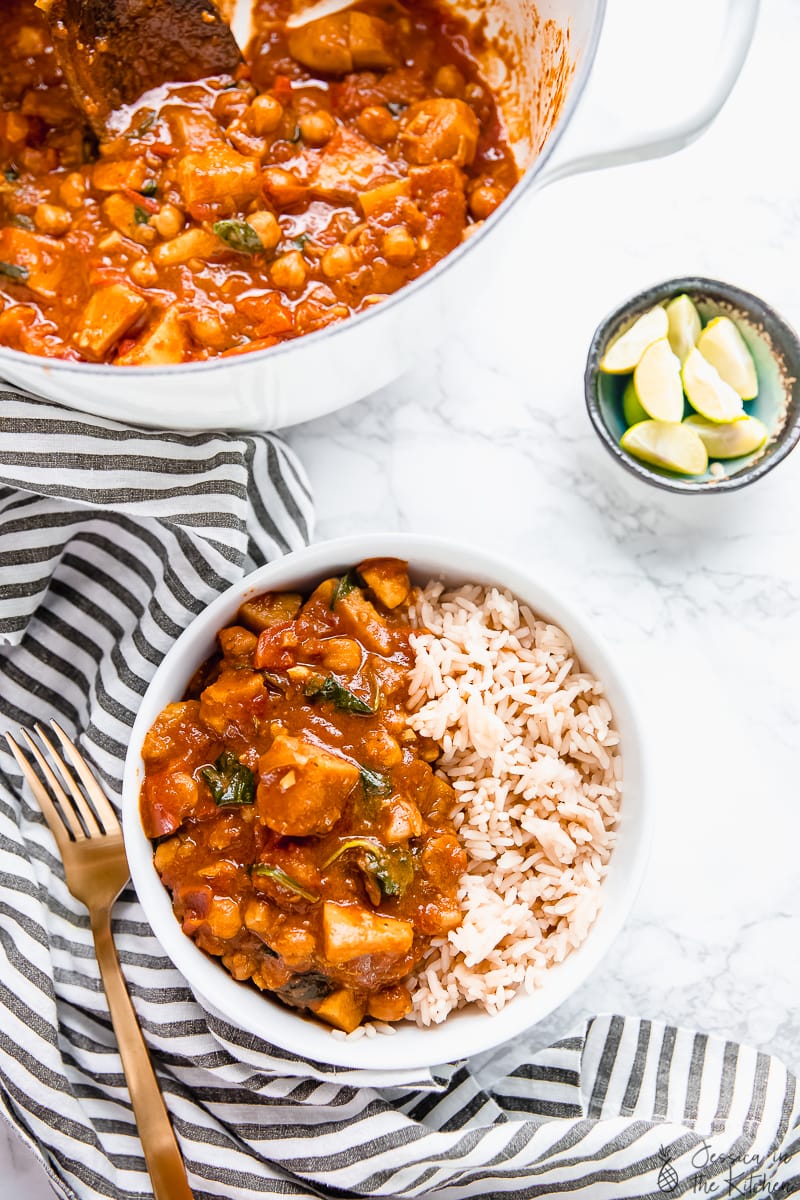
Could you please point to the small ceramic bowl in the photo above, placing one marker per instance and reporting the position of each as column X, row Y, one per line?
column 469, row 1030
column 775, row 348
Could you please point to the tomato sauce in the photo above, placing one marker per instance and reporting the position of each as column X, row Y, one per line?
column 214, row 218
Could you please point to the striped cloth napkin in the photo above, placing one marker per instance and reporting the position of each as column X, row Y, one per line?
column 110, row 541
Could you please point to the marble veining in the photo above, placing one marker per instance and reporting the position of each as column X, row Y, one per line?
column 487, row 440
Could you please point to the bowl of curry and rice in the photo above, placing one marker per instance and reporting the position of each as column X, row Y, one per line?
column 384, row 802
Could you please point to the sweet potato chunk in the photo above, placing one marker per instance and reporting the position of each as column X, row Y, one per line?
column 219, row 175
column 165, row 342
column 237, row 642
column 176, row 731
column 38, row 258
column 441, row 128
column 234, row 702
column 107, row 317
column 438, row 191
column 343, row 1009
column 115, row 176
column 350, row 931
column 381, row 198
column 129, row 218
column 303, row 788
column 388, row 578
column 349, row 164
column 167, row 800
column 363, row 620
column 262, row 611
column 343, row 42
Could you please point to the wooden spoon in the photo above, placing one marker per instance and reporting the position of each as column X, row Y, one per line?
column 113, row 51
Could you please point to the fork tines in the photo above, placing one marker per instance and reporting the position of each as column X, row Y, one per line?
column 83, row 813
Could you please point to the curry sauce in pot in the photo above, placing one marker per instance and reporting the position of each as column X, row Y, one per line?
column 346, row 158
column 300, row 827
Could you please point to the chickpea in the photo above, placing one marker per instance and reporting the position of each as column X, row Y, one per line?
column 474, row 93
column 290, row 271
column 337, row 261
column 144, row 272
column 317, row 127
column 246, row 143
column 207, row 328
column 230, row 104
column 168, row 221
column 484, row 200
column 450, row 82
column 73, row 190
column 398, row 246
column 267, row 227
column 264, row 115
column 52, row 219
column 377, row 124
column 282, row 187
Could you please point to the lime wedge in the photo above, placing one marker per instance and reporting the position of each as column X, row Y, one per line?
column 632, row 410
column 684, row 326
column 731, row 439
column 657, row 382
column 625, row 351
column 664, row 444
column 724, row 347
column 707, row 390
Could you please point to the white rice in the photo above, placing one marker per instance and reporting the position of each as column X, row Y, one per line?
column 529, row 745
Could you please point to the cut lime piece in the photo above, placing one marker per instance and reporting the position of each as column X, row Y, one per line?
column 684, row 326
column 657, row 382
column 632, row 410
column 724, row 347
column 732, row 439
column 708, row 392
column 664, row 444
column 625, row 351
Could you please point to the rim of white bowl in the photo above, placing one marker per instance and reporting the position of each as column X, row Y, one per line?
column 467, row 1031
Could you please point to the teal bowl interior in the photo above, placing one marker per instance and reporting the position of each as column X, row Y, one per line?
column 776, row 352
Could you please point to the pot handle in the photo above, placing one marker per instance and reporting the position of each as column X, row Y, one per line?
column 740, row 24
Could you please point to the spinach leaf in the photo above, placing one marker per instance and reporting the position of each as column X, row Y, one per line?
column 239, row 236
column 11, row 174
column 344, row 585
column 149, row 188
column 229, row 780
column 284, row 880
column 17, row 274
column 140, row 215
column 300, row 241
column 23, row 222
column 392, row 870
column 145, row 125
column 340, row 696
column 375, row 783
column 395, row 107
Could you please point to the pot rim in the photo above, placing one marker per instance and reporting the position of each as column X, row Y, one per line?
column 583, row 65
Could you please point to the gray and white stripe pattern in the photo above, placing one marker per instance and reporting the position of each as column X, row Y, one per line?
column 110, row 541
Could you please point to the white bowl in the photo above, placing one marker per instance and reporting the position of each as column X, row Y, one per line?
column 468, row 1031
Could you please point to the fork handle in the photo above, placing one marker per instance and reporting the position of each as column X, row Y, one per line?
column 161, row 1151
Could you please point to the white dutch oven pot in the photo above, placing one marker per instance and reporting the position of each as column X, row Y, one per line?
column 296, row 381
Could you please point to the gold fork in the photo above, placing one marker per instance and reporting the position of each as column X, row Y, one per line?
column 89, row 839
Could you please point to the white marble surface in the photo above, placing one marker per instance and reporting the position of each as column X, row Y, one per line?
column 488, row 441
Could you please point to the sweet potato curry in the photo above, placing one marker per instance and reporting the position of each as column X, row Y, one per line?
column 300, row 828
column 345, row 158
